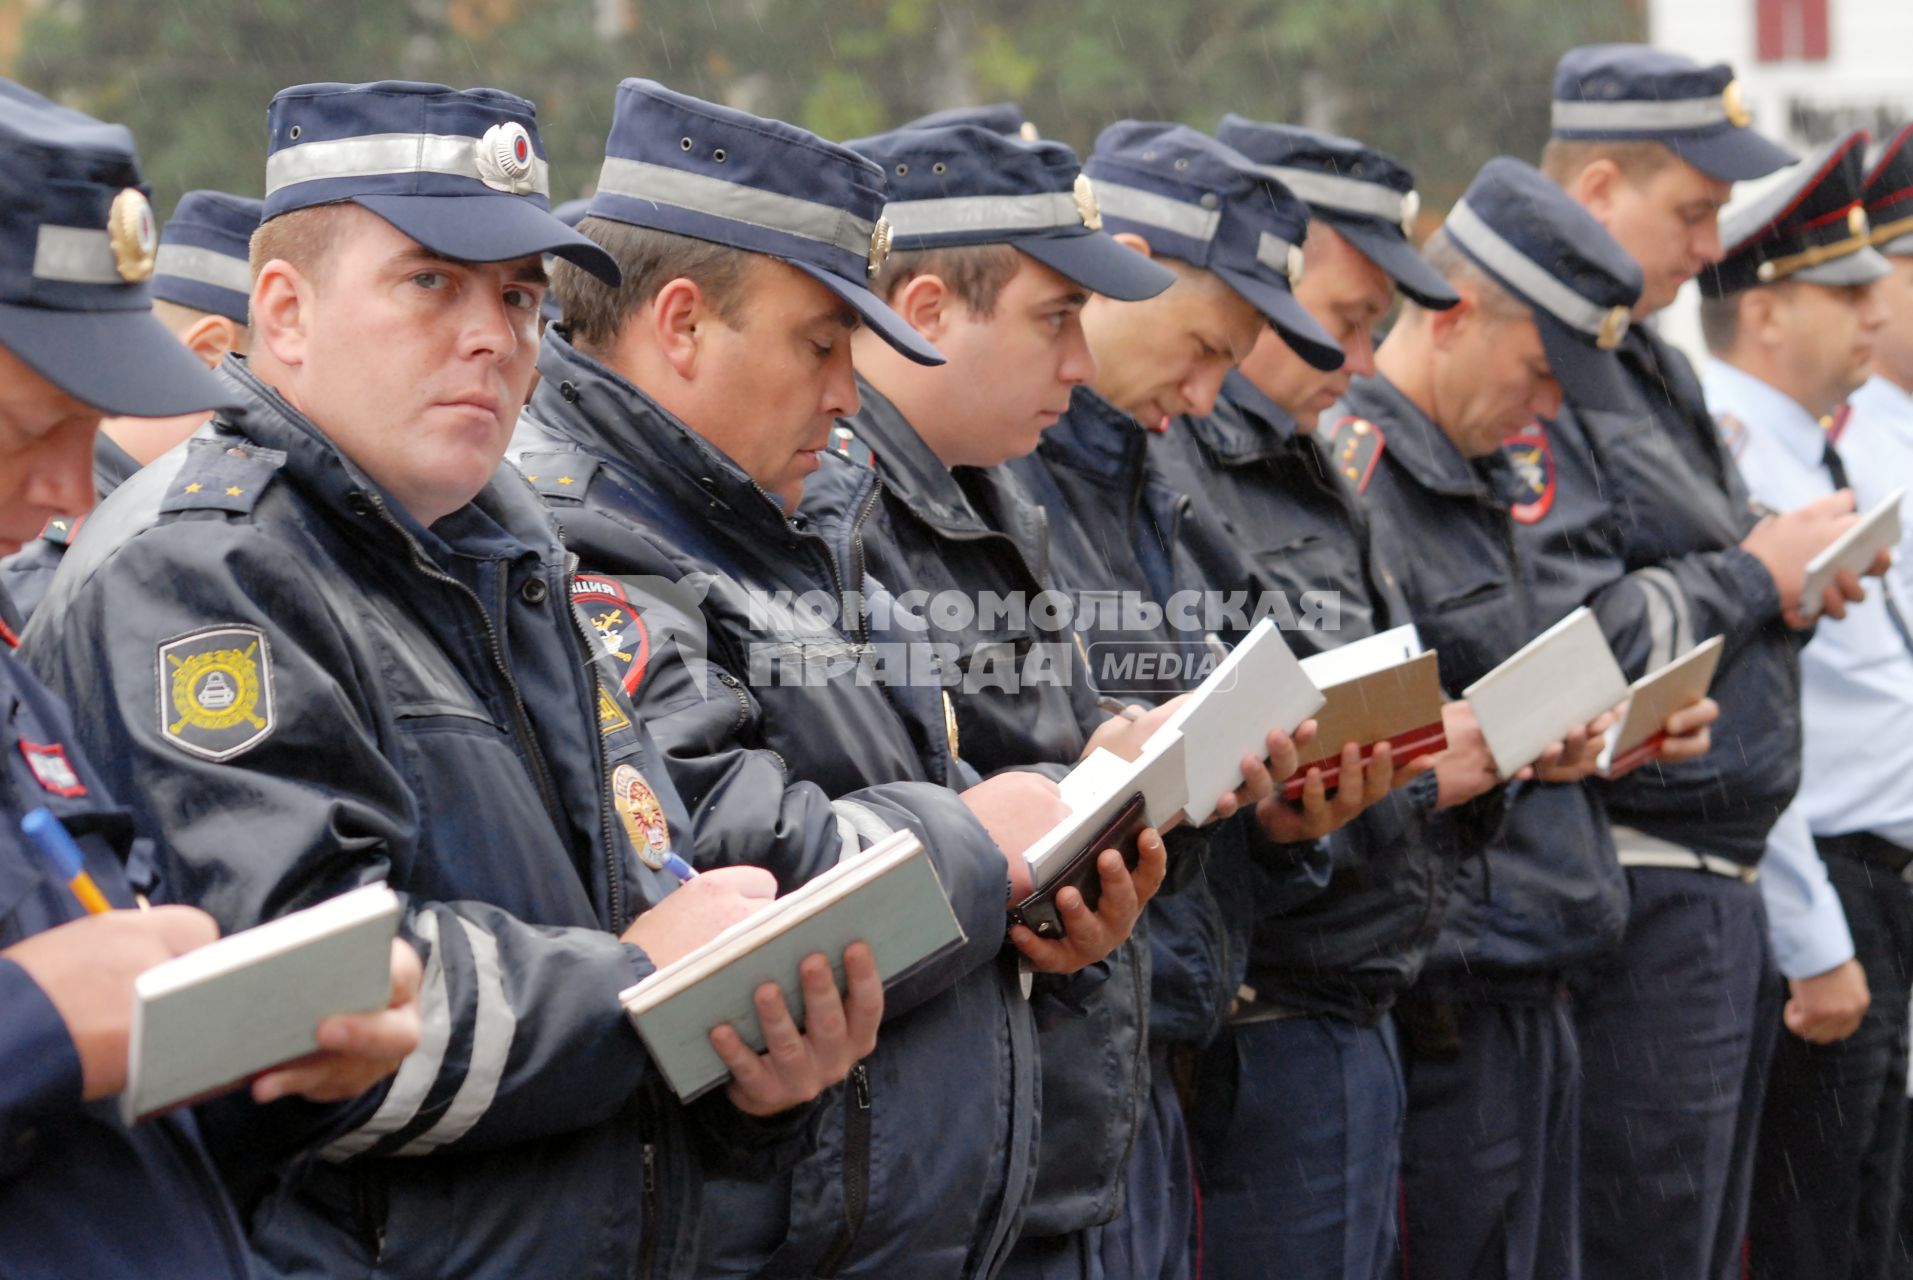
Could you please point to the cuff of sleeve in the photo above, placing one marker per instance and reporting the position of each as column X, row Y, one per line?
column 41, row 1076
column 1813, row 955
column 1755, row 584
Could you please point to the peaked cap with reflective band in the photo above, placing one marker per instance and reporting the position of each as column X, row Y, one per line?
column 77, row 245
column 1635, row 93
column 1540, row 245
column 1811, row 228
column 1365, row 194
column 1889, row 196
column 679, row 164
column 461, row 171
column 1200, row 202
column 204, row 251
column 997, row 117
column 965, row 185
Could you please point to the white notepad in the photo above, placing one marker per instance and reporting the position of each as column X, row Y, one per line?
column 1100, row 786
column 1654, row 697
column 1876, row 531
column 1563, row 678
column 1258, row 687
column 214, row 1018
column 888, row 896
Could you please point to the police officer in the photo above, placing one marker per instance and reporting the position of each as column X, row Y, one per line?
column 677, row 425
column 1297, row 1113
column 81, row 1193
column 327, row 647
column 1790, row 318
column 200, row 282
column 1647, row 513
column 1488, row 1147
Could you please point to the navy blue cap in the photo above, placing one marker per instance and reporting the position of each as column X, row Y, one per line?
column 1811, row 227
column 997, row 117
column 1888, row 195
column 461, row 171
column 1539, row 244
column 965, row 185
column 204, row 251
column 1635, row 93
column 77, row 244
column 679, row 164
column 1200, row 202
column 1366, row 195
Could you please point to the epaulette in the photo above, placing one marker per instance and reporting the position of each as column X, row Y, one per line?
column 844, row 441
column 60, row 530
column 1355, row 446
column 221, row 473
column 561, row 474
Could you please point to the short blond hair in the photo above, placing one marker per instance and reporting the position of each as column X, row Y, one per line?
column 304, row 237
column 1563, row 159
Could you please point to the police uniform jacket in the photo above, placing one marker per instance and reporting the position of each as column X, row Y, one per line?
column 1270, row 515
column 1546, row 892
column 26, row 574
column 303, row 690
column 80, row 1193
column 789, row 772
column 1645, row 526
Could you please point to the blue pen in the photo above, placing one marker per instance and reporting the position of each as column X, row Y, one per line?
column 678, row 867
column 44, row 832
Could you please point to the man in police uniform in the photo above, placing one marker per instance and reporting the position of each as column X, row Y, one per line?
column 200, row 282
column 1297, row 1114
column 328, row 647
column 1488, row 1152
column 1790, row 318
column 678, row 424
column 1646, row 513
column 81, row 1193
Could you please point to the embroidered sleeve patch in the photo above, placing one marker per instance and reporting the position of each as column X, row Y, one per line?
column 1531, row 459
column 215, row 691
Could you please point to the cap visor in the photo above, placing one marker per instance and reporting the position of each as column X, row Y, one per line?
column 123, row 362
column 1863, row 267
column 1590, row 377
column 490, row 229
column 1897, row 247
column 1732, row 155
column 1388, row 249
column 1100, row 264
column 888, row 324
column 1297, row 327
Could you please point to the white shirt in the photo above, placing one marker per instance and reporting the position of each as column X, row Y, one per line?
column 1857, row 691
column 1877, row 447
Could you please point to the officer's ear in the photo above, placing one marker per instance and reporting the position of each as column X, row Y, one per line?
column 678, row 314
column 1447, row 327
column 212, row 338
column 1763, row 316
column 1135, row 242
column 1598, row 187
column 282, row 299
column 926, row 304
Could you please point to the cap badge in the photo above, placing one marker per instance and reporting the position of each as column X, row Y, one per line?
column 1613, row 328
column 1736, row 109
column 1411, row 212
column 1027, row 132
column 505, row 159
column 1295, row 265
column 879, row 246
column 1086, row 209
column 1857, row 221
column 133, row 234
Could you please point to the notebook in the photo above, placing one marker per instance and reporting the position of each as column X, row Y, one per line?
column 214, row 1018
column 888, row 896
column 1651, row 699
column 1381, row 689
column 1564, row 677
column 1876, row 531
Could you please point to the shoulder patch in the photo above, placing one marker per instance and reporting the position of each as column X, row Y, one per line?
column 1355, row 447
column 641, row 815
column 221, row 475
column 601, row 601
column 1733, row 433
column 844, row 441
column 215, row 691
column 1531, row 460
column 564, row 476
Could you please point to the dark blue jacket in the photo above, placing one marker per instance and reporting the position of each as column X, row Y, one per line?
column 1647, row 514
column 1115, row 525
column 1547, row 892
column 80, row 1193
column 26, row 574
column 790, row 758
column 1023, row 700
column 413, row 705
column 1270, row 517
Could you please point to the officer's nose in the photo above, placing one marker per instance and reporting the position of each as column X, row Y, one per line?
column 1873, row 312
column 1358, row 352
column 491, row 328
column 1200, row 390
column 1078, row 368
column 1546, row 401
column 840, row 399
column 61, row 465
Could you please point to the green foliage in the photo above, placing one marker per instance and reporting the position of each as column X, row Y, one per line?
column 1444, row 84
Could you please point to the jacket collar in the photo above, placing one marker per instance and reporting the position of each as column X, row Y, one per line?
column 1097, row 437
column 1414, row 441
column 910, row 468
column 1246, row 425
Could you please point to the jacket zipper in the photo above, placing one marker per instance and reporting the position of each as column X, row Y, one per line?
column 648, row 1233
column 856, row 1167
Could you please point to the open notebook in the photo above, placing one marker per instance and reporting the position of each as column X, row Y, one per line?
column 216, row 1017
column 888, row 896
